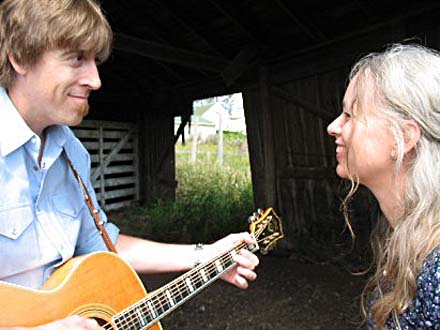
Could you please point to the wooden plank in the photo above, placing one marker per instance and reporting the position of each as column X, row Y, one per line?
column 118, row 193
column 91, row 146
column 119, row 169
column 115, row 182
column 137, row 171
column 97, row 137
column 118, row 205
column 168, row 53
column 106, row 124
column 268, row 138
column 322, row 113
column 106, row 161
column 315, row 173
column 94, row 134
column 244, row 60
column 117, row 158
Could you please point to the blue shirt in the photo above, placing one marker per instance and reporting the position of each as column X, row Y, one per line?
column 424, row 312
column 44, row 220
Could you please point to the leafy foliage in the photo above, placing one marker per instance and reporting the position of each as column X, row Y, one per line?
column 211, row 202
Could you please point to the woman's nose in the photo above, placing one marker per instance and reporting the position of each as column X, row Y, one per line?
column 334, row 128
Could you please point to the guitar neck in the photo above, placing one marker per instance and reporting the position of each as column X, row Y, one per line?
column 167, row 298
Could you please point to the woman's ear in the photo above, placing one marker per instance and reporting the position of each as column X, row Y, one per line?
column 20, row 69
column 411, row 135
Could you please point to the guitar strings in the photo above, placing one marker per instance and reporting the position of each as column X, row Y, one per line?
column 129, row 317
column 159, row 298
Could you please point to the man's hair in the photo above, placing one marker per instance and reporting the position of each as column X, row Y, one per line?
column 28, row 28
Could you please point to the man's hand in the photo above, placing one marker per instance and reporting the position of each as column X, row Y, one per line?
column 243, row 272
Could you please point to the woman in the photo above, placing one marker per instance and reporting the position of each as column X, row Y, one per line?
column 388, row 139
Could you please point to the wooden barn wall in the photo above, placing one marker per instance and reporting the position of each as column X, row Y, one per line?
column 157, row 158
column 292, row 157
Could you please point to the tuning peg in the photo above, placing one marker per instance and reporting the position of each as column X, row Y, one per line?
column 252, row 218
column 260, row 211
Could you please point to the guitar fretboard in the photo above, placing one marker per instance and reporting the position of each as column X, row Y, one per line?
column 164, row 300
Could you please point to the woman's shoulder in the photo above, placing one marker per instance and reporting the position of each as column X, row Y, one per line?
column 431, row 266
column 424, row 312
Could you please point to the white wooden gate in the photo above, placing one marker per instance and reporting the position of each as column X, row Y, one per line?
column 113, row 147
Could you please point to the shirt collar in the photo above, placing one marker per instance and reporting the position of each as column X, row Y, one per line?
column 14, row 132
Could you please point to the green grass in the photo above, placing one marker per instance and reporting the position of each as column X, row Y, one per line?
column 211, row 202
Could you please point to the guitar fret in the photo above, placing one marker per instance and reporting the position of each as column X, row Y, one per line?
column 151, row 309
column 170, row 298
column 189, row 284
column 162, row 301
column 204, row 277
column 140, row 317
column 219, row 266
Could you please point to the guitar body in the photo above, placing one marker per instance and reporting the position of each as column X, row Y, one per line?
column 104, row 287
column 98, row 285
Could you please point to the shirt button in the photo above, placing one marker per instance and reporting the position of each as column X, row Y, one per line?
column 14, row 231
column 35, row 168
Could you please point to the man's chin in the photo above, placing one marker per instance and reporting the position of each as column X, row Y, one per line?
column 84, row 110
column 81, row 112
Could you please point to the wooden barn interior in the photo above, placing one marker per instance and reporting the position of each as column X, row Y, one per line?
column 290, row 61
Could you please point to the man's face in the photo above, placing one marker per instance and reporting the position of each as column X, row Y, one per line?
column 55, row 90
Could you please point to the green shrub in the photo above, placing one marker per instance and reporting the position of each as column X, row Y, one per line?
column 211, row 202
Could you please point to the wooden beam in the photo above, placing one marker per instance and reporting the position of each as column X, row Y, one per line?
column 315, row 34
column 240, row 21
column 268, row 138
column 414, row 11
column 242, row 62
column 169, row 54
column 197, row 32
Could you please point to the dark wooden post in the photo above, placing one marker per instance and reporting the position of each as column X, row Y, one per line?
column 268, row 138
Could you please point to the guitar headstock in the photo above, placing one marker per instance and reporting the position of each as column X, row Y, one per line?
column 266, row 227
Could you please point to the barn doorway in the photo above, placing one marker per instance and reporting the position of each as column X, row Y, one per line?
column 212, row 164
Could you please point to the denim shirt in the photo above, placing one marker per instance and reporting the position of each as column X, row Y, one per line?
column 44, row 220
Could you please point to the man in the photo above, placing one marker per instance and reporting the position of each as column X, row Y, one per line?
column 49, row 50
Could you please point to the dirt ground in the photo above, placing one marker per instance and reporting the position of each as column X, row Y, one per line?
column 288, row 294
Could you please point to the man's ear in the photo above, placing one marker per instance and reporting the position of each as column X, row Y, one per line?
column 20, row 69
column 411, row 135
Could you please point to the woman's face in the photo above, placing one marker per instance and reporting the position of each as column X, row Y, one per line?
column 363, row 138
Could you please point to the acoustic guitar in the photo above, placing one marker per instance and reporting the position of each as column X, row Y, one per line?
column 104, row 287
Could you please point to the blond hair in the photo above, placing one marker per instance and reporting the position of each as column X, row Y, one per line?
column 30, row 27
column 406, row 84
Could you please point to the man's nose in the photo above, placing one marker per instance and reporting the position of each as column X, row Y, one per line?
column 91, row 76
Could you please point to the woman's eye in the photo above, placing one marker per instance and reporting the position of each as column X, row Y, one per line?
column 347, row 115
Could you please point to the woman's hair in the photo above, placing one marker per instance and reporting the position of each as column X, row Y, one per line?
column 28, row 28
column 405, row 83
